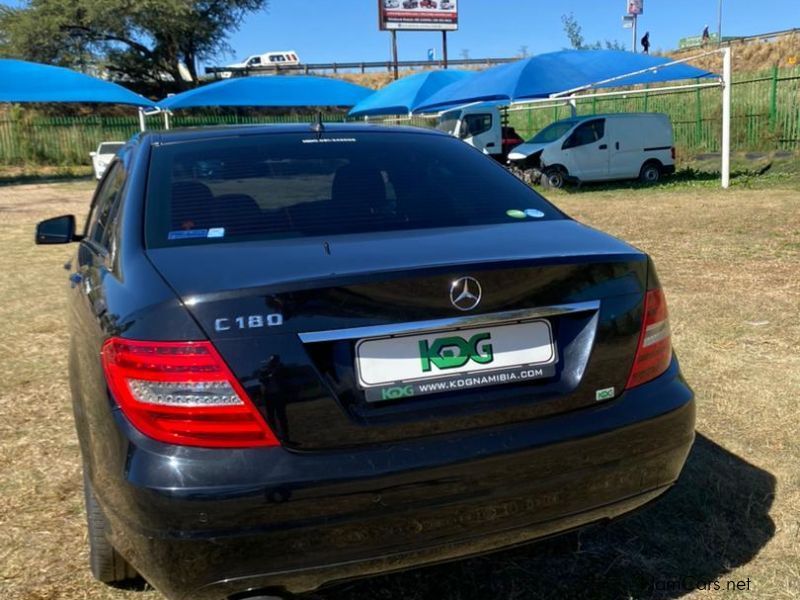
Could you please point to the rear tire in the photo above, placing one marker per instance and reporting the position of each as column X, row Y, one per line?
column 106, row 563
column 650, row 173
column 554, row 177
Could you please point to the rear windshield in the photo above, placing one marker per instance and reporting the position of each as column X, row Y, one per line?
column 290, row 185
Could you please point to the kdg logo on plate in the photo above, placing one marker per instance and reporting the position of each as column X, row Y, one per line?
column 454, row 351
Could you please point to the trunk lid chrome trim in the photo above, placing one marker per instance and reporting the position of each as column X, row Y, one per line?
column 464, row 321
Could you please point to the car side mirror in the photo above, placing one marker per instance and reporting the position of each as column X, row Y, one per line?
column 58, row 230
column 92, row 154
column 568, row 143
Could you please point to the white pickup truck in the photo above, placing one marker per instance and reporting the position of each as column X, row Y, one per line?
column 279, row 58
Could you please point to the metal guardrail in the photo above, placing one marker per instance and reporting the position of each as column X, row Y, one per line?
column 696, row 41
column 364, row 66
column 764, row 36
column 359, row 66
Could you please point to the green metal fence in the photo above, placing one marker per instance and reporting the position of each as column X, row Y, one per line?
column 68, row 140
column 765, row 116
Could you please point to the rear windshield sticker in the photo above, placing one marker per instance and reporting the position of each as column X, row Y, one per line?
column 187, row 234
column 330, row 141
column 515, row 214
column 216, row 232
column 533, row 213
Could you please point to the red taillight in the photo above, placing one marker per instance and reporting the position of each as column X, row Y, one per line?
column 654, row 352
column 182, row 393
column 672, row 152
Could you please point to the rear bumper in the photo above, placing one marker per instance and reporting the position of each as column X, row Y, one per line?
column 668, row 169
column 205, row 524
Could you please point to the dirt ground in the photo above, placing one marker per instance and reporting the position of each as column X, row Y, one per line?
column 730, row 264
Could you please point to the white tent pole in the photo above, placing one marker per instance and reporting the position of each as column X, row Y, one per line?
column 531, row 105
column 573, row 106
column 631, row 74
column 726, row 117
column 142, row 124
column 166, row 119
column 522, row 104
column 651, row 91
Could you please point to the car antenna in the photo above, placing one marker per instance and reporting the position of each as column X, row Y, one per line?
column 318, row 126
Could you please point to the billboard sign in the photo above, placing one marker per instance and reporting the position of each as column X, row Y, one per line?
column 635, row 7
column 437, row 15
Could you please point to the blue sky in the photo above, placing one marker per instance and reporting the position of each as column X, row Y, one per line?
column 347, row 30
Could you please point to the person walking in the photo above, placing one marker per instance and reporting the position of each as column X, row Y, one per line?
column 705, row 35
column 646, row 43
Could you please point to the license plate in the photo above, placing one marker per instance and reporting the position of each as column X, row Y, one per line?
column 441, row 361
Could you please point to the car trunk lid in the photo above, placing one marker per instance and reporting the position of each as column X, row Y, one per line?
column 290, row 317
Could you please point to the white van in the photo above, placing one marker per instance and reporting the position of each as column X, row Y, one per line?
column 599, row 148
column 275, row 59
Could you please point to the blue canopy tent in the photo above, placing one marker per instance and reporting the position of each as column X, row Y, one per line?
column 288, row 90
column 404, row 95
column 549, row 74
column 22, row 81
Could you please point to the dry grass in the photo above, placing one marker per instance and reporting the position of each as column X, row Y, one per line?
column 730, row 264
column 751, row 57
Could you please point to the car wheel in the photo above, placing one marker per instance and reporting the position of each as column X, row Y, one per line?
column 650, row 173
column 554, row 177
column 106, row 563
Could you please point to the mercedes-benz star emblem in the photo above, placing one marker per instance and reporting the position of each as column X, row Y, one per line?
column 465, row 293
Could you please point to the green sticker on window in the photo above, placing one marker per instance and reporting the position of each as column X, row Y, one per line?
column 515, row 214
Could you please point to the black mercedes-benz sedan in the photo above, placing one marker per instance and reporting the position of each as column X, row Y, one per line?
column 306, row 354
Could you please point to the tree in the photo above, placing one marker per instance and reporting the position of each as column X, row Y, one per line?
column 140, row 41
column 574, row 34
column 465, row 53
column 523, row 51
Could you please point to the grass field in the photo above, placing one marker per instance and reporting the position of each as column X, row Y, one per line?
column 730, row 263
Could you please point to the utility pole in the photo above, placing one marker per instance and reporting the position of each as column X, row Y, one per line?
column 633, row 42
column 444, row 48
column 394, row 54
